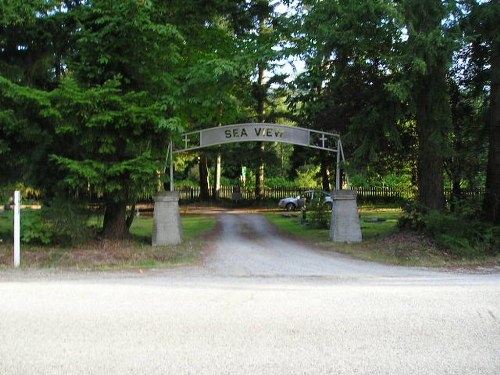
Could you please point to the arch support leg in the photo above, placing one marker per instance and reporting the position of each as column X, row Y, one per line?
column 345, row 225
column 167, row 221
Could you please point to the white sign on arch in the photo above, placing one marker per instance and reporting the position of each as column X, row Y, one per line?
column 258, row 132
column 255, row 132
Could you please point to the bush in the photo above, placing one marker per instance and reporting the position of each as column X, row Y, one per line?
column 34, row 230
column 413, row 217
column 457, row 234
column 318, row 213
column 280, row 182
column 308, row 176
column 69, row 221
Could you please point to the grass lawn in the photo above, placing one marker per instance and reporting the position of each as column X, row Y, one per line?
column 135, row 252
column 193, row 226
column 382, row 241
column 374, row 224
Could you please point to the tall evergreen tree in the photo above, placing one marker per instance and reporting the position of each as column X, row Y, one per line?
column 428, row 52
column 344, row 89
column 484, row 31
column 118, row 104
column 36, row 39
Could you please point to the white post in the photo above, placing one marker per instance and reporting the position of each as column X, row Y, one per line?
column 337, row 171
column 171, row 166
column 17, row 228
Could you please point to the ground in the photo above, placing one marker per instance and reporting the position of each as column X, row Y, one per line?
column 259, row 303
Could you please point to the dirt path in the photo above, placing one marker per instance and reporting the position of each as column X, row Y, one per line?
column 248, row 245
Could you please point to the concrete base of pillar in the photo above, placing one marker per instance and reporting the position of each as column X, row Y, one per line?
column 167, row 221
column 345, row 225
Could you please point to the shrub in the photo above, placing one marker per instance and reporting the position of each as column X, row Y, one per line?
column 279, row 182
column 318, row 213
column 308, row 176
column 413, row 217
column 463, row 237
column 458, row 234
column 34, row 230
column 69, row 221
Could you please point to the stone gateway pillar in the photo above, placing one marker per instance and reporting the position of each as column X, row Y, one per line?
column 167, row 221
column 345, row 219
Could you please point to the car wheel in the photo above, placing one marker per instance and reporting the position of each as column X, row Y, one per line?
column 329, row 205
column 290, row 207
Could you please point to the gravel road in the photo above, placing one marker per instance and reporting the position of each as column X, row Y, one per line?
column 250, row 246
column 259, row 304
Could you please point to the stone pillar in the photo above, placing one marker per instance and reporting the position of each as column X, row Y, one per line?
column 167, row 220
column 345, row 218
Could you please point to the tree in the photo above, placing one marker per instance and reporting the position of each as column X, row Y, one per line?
column 25, row 121
column 35, row 40
column 484, row 31
column 348, row 48
column 262, row 49
column 118, row 105
column 215, row 74
column 427, row 55
column 120, row 144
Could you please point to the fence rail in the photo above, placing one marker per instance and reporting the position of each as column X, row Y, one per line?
column 383, row 194
column 364, row 195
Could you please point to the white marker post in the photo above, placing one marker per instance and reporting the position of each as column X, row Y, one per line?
column 17, row 228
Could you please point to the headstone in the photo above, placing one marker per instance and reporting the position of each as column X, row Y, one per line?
column 345, row 218
column 167, row 220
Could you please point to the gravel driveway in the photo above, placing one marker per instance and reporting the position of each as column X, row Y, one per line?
column 259, row 304
column 250, row 246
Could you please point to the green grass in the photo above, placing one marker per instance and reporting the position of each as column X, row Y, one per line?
column 378, row 223
column 6, row 224
column 374, row 224
column 382, row 241
column 193, row 226
column 135, row 253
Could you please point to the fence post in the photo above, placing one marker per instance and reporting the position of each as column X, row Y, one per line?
column 17, row 228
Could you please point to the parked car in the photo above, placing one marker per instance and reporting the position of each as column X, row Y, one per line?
column 293, row 203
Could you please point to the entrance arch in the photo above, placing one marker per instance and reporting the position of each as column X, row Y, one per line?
column 259, row 132
column 344, row 225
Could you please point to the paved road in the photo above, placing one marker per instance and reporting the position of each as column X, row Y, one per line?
column 259, row 305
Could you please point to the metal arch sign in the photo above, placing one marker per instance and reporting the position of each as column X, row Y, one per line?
column 255, row 132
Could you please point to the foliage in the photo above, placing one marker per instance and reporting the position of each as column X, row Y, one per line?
column 95, row 89
column 413, row 217
column 318, row 213
column 34, row 229
column 463, row 238
column 62, row 222
column 281, row 182
column 459, row 235
column 402, row 181
column 102, row 120
column 307, row 176
column 25, row 117
column 68, row 220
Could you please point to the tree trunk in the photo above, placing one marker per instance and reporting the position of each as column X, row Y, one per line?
column 261, row 98
column 115, row 222
column 218, row 169
column 204, row 183
column 431, row 97
column 325, row 172
column 259, row 175
column 491, row 205
column 218, row 162
column 430, row 157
